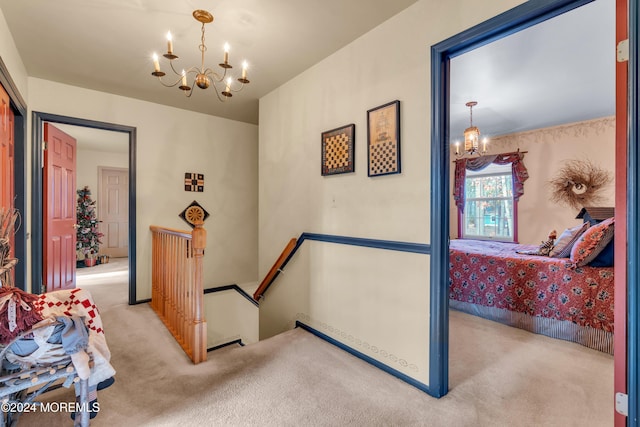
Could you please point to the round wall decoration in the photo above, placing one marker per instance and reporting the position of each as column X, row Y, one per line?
column 579, row 183
column 194, row 213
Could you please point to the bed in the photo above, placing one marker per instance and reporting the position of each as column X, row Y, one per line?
column 540, row 294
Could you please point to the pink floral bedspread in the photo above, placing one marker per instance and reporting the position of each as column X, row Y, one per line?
column 492, row 274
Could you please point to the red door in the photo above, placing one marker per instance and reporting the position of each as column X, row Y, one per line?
column 7, row 162
column 6, row 151
column 59, row 208
column 620, row 244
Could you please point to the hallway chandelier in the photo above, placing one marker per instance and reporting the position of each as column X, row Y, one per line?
column 471, row 136
column 202, row 77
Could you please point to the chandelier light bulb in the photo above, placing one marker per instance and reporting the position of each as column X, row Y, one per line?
column 169, row 43
column 226, row 53
column 156, row 64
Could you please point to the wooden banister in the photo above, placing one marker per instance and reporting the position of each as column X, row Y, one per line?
column 177, row 292
column 275, row 269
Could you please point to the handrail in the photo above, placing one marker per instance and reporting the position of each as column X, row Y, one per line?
column 177, row 294
column 276, row 268
column 171, row 231
column 293, row 246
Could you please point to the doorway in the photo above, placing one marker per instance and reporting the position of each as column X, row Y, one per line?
column 514, row 20
column 37, row 213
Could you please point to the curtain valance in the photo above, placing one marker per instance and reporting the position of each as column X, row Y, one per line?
column 518, row 171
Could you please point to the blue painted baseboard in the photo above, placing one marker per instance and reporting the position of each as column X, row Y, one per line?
column 417, row 384
column 227, row 344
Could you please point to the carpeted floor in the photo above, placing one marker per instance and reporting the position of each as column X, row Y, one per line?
column 499, row 376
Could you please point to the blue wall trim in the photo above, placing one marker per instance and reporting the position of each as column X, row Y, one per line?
column 419, row 248
column 366, row 358
column 633, row 209
column 509, row 22
column 232, row 287
column 227, row 344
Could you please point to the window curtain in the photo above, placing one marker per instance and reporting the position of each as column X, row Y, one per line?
column 518, row 171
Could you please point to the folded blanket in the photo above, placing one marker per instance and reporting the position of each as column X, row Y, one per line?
column 73, row 304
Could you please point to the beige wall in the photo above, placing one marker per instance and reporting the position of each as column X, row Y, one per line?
column 390, row 62
column 88, row 161
column 11, row 58
column 548, row 150
column 230, row 317
column 171, row 142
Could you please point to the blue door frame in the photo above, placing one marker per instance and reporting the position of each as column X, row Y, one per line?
column 516, row 19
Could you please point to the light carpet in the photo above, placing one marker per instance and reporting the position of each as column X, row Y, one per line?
column 499, row 376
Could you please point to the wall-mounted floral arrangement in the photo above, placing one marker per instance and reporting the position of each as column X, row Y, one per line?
column 579, row 183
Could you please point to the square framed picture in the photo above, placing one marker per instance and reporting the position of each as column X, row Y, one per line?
column 338, row 151
column 383, row 139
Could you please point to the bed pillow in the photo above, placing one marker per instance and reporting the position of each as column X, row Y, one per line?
column 604, row 258
column 565, row 242
column 592, row 242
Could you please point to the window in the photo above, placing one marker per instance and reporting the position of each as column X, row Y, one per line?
column 486, row 191
column 489, row 205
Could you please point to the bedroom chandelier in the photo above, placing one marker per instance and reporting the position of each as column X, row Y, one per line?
column 471, row 136
column 202, row 77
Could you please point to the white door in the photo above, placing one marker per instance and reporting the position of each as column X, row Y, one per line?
column 113, row 210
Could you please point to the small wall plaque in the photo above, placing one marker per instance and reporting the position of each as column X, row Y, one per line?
column 193, row 182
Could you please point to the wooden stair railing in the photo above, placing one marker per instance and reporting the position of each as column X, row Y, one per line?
column 177, row 294
column 275, row 269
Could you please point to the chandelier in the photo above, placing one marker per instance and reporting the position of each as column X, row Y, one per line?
column 202, row 77
column 471, row 136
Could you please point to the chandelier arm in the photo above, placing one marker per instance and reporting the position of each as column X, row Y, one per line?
column 214, row 75
column 174, row 70
column 217, row 78
column 231, row 89
column 170, row 84
column 189, row 92
column 215, row 89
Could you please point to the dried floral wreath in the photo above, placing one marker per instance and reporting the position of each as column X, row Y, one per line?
column 579, row 183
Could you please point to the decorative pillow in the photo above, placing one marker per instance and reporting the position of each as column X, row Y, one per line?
column 592, row 242
column 563, row 246
column 604, row 258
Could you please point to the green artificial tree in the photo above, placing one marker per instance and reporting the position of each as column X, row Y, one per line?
column 87, row 234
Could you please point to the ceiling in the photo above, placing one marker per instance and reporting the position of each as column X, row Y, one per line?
column 91, row 139
column 559, row 71
column 106, row 45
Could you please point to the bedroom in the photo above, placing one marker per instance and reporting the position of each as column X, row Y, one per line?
column 536, row 105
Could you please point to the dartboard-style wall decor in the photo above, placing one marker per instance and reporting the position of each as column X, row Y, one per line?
column 193, row 213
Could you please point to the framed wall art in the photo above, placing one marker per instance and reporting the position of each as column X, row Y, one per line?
column 383, row 139
column 338, row 151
